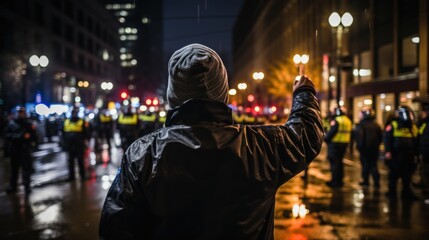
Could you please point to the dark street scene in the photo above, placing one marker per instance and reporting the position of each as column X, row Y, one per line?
column 204, row 119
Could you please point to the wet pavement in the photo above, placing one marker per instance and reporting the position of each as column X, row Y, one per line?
column 58, row 209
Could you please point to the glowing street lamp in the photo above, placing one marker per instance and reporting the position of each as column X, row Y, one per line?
column 300, row 61
column 242, row 87
column 38, row 63
column 258, row 76
column 339, row 24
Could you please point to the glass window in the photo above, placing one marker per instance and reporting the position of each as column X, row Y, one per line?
column 359, row 103
column 385, row 60
column 362, row 70
column 409, row 51
column 385, row 107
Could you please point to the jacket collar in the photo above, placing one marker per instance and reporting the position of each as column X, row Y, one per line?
column 196, row 111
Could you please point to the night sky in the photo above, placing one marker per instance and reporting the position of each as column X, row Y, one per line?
column 209, row 22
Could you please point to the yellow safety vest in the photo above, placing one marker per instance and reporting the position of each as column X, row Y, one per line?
column 70, row 126
column 249, row 119
column 147, row 118
column 238, row 119
column 404, row 132
column 343, row 134
column 128, row 120
column 162, row 119
column 105, row 119
column 422, row 128
column 326, row 125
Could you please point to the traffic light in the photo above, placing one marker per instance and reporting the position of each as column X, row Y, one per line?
column 124, row 95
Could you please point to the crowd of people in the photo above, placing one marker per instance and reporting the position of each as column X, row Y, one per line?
column 405, row 140
column 22, row 135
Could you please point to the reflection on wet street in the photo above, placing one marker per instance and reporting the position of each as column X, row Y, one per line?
column 350, row 212
column 305, row 208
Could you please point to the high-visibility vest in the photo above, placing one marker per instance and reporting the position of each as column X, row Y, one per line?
column 237, row 118
column 128, row 120
column 404, row 132
column 148, row 118
column 344, row 132
column 70, row 126
column 105, row 119
column 326, row 125
column 162, row 119
column 249, row 118
column 422, row 128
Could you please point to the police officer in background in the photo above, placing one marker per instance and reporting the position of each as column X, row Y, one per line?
column 338, row 138
column 148, row 122
column 129, row 127
column 21, row 137
column 76, row 136
column 368, row 137
column 104, row 129
column 424, row 148
column 400, row 143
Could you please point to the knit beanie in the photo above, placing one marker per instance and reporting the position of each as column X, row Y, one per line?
column 196, row 72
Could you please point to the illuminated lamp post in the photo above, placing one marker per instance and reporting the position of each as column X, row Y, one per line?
column 258, row 77
column 340, row 25
column 39, row 64
column 300, row 61
column 242, row 87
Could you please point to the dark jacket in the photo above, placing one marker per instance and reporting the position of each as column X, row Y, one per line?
column 20, row 135
column 203, row 177
column 368, row 135
column 424, row 138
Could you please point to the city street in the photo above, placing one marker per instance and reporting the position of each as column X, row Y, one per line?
column 57, row 209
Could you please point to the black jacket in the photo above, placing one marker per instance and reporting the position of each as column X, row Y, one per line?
column 203, row 177
column 368, row 135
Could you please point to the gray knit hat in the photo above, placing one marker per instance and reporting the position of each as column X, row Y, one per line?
column 196, row 72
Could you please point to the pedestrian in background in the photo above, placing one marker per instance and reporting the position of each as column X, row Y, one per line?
column 424, row 148
column 338, row 138
column 76, row 136
column 21, row 138
column 147, row 121
column 104, row 129
column 400, row 143
column 368, row 137
column 202, row 176
column 129, row 127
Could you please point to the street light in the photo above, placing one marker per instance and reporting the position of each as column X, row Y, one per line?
column 300, row 61
column 340, row 25
column 242, row 87
column 39, row 63
column 258, row 77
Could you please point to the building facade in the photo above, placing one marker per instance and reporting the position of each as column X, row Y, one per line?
column 380, row 60
column 140, row 31
column 78, row 40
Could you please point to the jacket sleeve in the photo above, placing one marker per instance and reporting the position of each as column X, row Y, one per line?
column 125, row 209
column 332, row 130
column 388, row 138
column 302, row 135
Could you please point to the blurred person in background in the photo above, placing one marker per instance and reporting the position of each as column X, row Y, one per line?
column 148, row 122
column 76, row 136
column 424, row 149
column 202, row 176
column 104, row 129
column 368, row 137
column 128, row 124
column 338, row 138
column 400, row 144
column 21, row 137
